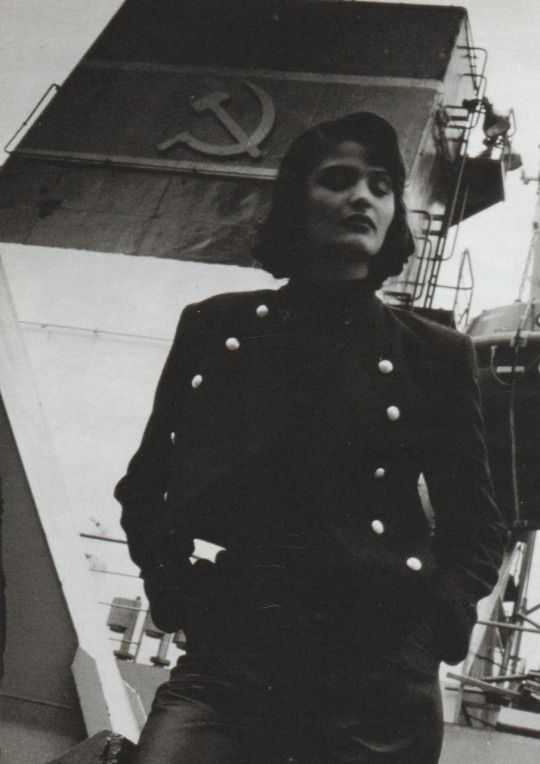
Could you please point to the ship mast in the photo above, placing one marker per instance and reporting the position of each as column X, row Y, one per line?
column 532, row 267
column 507, row 343
column 531, row 275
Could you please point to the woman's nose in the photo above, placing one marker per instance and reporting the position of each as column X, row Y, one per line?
column 360, row 192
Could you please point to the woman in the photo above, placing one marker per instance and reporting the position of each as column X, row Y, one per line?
column 291, row 427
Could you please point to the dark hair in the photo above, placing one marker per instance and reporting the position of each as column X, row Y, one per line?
column 281, row 241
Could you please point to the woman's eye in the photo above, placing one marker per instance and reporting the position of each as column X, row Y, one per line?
column 382, row 184
column 340, row 178
column 337, row 178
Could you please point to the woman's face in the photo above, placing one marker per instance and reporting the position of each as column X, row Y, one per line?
column 350, row 206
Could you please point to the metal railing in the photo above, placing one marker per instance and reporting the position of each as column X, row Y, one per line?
column 494, row 676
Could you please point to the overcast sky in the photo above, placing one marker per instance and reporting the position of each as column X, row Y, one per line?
column 42, row 40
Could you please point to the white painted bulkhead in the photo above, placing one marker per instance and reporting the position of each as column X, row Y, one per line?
column 85, row 337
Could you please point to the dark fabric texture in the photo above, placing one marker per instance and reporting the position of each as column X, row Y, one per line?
column 316, row 635
column 309, row 706
column 165, row 585
column 273, row 456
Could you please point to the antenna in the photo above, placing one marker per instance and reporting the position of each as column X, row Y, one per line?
column 531, row 271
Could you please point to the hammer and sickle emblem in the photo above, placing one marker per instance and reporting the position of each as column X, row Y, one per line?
column 245, row 144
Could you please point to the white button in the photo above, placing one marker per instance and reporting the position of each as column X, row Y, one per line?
column 196, row 381
column 380, row 472
column 414, row 563
column 393, row 413
column 262, row 311
column 232, row 343
column 378, row 527
column 386, row 366
column 173, row 437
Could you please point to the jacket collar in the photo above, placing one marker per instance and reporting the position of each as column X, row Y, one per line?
column 353, row 293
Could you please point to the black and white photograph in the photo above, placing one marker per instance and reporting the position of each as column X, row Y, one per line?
column 269, row 382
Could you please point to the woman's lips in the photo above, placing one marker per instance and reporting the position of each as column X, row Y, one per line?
column 358, row 224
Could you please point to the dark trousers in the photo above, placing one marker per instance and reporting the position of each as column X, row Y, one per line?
column 307, row 703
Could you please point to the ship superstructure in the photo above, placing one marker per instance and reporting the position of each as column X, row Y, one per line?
column 500, row 682
column 138, row 189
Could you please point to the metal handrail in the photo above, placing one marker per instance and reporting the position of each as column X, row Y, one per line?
column 7, row 147
column 472, row 51
column 423, row 258
column 497, row 624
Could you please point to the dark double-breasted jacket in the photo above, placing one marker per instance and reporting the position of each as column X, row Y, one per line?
column 285, row 416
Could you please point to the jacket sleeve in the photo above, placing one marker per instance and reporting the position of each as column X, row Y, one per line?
column 469, row 535
column 153, row 541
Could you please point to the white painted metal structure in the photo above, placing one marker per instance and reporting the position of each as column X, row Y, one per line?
column 101, row 689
